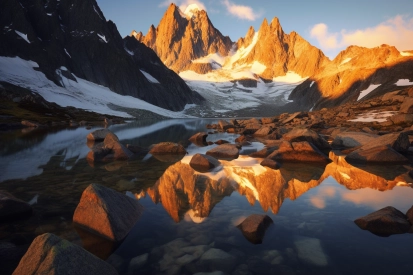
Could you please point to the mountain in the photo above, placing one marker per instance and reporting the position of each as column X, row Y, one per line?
column 71, row 42
column 268, row 71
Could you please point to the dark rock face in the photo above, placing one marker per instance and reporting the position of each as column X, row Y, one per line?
column 409, row 215
column 51, row 255
column 106, row 212
column 12, row 207
column 253, row 228
column 203, row 163
column 76, row 35
column 384, row 222
column 167, row 148
column 224, row 151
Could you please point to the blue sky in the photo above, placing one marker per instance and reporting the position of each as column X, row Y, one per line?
column 330, row 25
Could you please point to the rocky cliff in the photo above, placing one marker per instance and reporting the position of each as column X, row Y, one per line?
column 76, row 35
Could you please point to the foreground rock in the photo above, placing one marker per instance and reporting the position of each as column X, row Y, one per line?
column 224, row 151
column 397, row 141
column 98, row 135
column 119, row 151
column 106, row 212
column 49, row 254
column 167, row 148
column 384, row 222
column 270, row 164
column 352, row 139
column 303, row 134
column 253, row 228
column 298, row 151
column 199, row 139
column 379, row 154
column 12, row 207
column 203, row 163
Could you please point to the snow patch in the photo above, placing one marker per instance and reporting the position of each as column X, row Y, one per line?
column 406, row 54
column 241, row 52
column 80, row 93
column 129, row 52
column 150, row 78
column 67, row 53
column 289, row 77
column 49, row 14
column 97, row 12
column 404, row 82
column 345, row 60
column 368, row 90
column 374, row 116
column 258, row 68
column 311, row 84
column 102, row 37
column 211, row 58
column 22, row 35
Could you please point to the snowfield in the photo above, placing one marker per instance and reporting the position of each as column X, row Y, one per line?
column 81, row 94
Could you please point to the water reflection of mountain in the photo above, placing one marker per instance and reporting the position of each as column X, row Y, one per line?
column 182, row 190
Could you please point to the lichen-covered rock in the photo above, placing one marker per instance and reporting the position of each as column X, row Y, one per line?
column 51, row 255
column 106, row 212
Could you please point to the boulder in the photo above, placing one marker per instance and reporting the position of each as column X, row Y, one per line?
column 263, row 131
column 291, row 117
column 303, row 134
column 265, row 152
column 251, row 128
column 224, row 125
column 224, row 151
column 106, row 212
column 384, row 222
column 241, row 139
column 167, row 148
column 137, row 150
column 402, row 119
column 397, row 141
column 310, row 251
column 97, row 153
column 199, row 139
column 298, row 151
column 98, row 135
column 119, row 150
column 254, row 226
column 352, row 139
column 12, row 207
column 49, row 254
column 407, row 106
column 378, row 154
column 221, row 141
column 270, row 164
column 203, row 163
column 267, row 120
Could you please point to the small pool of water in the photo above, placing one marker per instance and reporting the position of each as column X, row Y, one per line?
column 189, row 220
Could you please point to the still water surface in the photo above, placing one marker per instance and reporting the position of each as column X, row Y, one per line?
column 189, row 222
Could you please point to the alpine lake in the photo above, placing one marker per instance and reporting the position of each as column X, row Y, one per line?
column 189, row 222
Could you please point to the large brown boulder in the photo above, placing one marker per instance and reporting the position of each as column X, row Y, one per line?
column 397, row 141
column 384, row 222
column 407, row 106
column 119, row 151
column 12, row 207
column 263, row 131
column 167, row 148
column 270, row 164
column 203, row 163
column 298, row 151
column 352, row 139
column 51, row 255
column 378, row 154
column 106, row 212
column 402, row 119
column 224, row 151
column 199, row 139
column 253, row 228
column 98, row 135
column 303, row 134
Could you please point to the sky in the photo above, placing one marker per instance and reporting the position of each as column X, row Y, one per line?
column 331, row 25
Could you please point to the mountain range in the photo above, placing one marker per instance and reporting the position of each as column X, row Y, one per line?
column 269, row 67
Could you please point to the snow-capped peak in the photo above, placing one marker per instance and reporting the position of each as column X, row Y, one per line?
column 191, row 9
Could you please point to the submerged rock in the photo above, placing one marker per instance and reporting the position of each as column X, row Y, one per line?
column 217, row 259
column 49, row 254
column 203, row 163
column 309, row 251
column 12, row 207
column 384, row 222
column 106, row 212
column 253, row 228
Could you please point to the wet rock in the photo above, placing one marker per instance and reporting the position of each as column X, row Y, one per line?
column 253, row 228
column 407, row 106
column 217, row 259
column 106, row 212
column 303, row 134
column 241, row 139
column 270, row 164
column 49, row 254
column 263, row 131
column 97, row 153
column 98, row 135
column 384, row 222
column 263, row 153
column 119, row 151
column 221, row 141
column 309, row 251
column 224, row 151
column 352, row 139
column 199, row 139
column 298, row 151
column 12, row 207
column 378, row 154
column 203, row 163
column 167, row 148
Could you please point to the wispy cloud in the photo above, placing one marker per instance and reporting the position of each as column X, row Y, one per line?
column 240, row 11
column 183, row 4
column 397, row 31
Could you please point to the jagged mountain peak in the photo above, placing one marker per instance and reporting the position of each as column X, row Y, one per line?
column 192, row 10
